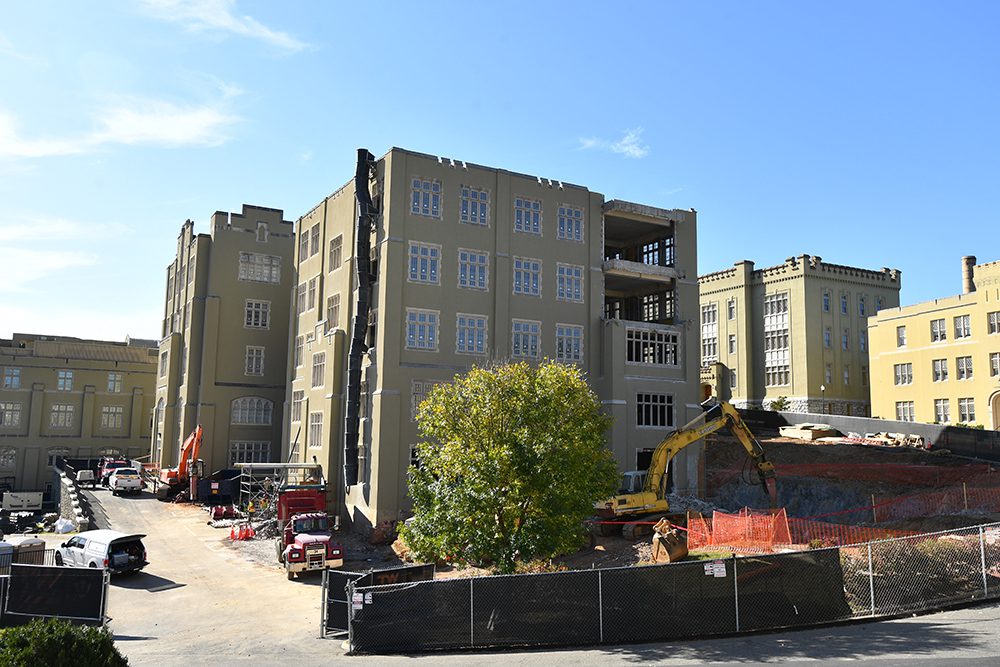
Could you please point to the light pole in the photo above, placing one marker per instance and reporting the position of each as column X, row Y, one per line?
column 822, row 391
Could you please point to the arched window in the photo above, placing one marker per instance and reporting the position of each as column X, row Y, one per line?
column 252, row 410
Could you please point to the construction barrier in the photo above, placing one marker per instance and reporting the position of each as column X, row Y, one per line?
column 680, row 600
column 39, row 591
column 901, row 474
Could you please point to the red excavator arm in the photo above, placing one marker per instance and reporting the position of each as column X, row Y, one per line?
column 189, row 451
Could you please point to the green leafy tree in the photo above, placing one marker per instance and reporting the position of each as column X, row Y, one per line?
column 55, row 642
column 512, row 461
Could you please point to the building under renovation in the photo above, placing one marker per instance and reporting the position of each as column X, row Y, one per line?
column 797, row 331
column 939, row 361
column 422, row 267
column 223, row 357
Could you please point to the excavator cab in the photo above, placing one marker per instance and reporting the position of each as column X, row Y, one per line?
column 633, row 481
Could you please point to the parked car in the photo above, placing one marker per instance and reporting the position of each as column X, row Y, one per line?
column 108, row 549
column 108, row 466
column 125, row 480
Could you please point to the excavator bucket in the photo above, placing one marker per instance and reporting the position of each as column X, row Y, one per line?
column 669, row 546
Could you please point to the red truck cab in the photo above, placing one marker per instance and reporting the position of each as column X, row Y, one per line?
column 306, row 543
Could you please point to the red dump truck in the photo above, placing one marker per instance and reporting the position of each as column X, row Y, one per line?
column 305, row 542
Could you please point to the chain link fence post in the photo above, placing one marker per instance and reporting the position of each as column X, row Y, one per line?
column 982, row 560
column 472, row 615
column 600, row 606
column 871, row 578
column 350, row 616
column 736, row 594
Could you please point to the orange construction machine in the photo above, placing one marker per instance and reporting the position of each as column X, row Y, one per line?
column 175, row 480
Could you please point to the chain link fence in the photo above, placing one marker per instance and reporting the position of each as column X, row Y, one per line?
column 679, row 600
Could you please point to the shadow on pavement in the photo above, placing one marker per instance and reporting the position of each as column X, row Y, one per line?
column 132, row 638
column 146, row 582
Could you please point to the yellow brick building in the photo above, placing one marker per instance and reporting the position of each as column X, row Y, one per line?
column 939, row 361
column 798, row 330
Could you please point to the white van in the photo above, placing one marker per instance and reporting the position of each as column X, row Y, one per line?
column 108, row 549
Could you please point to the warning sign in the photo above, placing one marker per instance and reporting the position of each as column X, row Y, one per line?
column 358, row 600
column 715, row 568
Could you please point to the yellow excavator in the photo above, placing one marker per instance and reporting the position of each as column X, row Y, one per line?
column 643, row 493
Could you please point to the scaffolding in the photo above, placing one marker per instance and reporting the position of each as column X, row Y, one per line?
column 260, row 483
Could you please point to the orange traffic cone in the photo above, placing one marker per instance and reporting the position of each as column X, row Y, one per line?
column 241, row 533
column 232, row 532
column 250, row 531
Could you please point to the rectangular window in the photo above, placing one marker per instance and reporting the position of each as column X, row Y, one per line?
column 732, row 379
column 255, row 360
column 61, row 416
column 732, row 343
column 112, row 416
column 299, row 347
column 654, row 410
column 315, row 429
column 473, row 269
column 845, row 340
column 863, row 340
column 843, row 304
column 847, row 375
column 962, row 327
column 828, row 374
column 298, row 398
column 115, row 381
column 426, row 198
column 475, row 206
column 300, row 298
column 904, row 411
column 938, row 332
column 878, row 304
column 826, row 302
column 10, row 414
column 900, row 336
column 314, row 240
column 966, row 410
column 163, row 364
column 336, row 252
column 941, row 411
column 570, row 224
column 258, row 268
column 527, row 276
column 249, row 451
column 422, row 329
column 526, row 339
column 569, row 283
column 64, row 380
column 861, row 306
column 470, row 334
column 569, row 342
column 993, row 322
column 963, row 368
column 709, row 334
column 903, row 374
column 657, row 348
column 527, row 215
column 311, row 299
column 940, row 370
column 994, row 364
column 418, row 394
column 12, row 378
column 864, row 376
column 257, row 314
column 425, row 259
column 777, row 350
column 319, row 369
column 303, row 245
column 731, row 309
column 333, row 311
column 827, row 336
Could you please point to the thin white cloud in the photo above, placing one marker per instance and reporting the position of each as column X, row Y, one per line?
column 23, row 266
column 8, row 49
column 68, row 317
column 130, row 121
column 630, row 145
column 206, row 15
column 37, row 229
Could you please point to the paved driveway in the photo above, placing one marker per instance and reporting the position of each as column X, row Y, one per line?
column 200, row 603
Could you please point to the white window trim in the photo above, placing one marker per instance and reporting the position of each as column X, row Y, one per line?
column 265, row 307
column 486, row 334
column 574, row 327
column 458, row 274
column 538, row 336
column 440, row 195
column 409, row 258
column 489, row 205
column 583, row 223
column 513, row 280
column 246, row 360
column 437, row 329
column 541, row 219
column 569, row 278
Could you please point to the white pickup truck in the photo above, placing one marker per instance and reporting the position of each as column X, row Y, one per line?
column 125, row 480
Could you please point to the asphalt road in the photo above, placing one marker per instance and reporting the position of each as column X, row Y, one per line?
column 199, row 603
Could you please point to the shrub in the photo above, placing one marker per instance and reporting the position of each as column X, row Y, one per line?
column 56, row 642
column 779, row 404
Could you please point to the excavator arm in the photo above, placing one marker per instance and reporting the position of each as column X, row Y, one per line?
column 190, row 450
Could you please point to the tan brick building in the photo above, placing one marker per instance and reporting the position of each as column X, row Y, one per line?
column 62, row 396
column 798, row 330
column 224, row 352
column 939, row 361
column 472, row 264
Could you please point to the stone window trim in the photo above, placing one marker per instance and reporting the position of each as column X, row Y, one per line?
column 424, row 263
column 571, row 224
column 426, row 197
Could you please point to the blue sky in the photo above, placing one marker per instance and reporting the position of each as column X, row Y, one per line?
column 864, row 132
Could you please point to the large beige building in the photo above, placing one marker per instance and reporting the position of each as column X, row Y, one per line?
column 70, row 397
column 224, row 352
column 798, row 330
column 470, row 264
column 939, row 361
